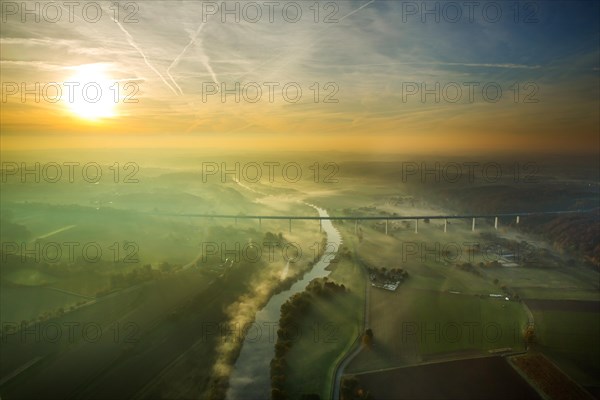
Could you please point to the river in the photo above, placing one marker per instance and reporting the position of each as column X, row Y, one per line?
column 250, row 377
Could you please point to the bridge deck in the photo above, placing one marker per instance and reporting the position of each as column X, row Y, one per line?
column 376, row 217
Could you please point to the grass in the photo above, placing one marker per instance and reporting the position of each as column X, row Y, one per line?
column 422, row 319
column 423, row 306
column 328, row 331
column 466, row 323
column 411, row 326
column 571, row 339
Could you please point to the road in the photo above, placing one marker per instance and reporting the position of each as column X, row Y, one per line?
column 339, row 372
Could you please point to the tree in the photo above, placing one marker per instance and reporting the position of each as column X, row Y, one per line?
column 277, row 394
column 367, row 338
column 529, row 335
column 311, row 396
column 165, row 267
column 348, row 388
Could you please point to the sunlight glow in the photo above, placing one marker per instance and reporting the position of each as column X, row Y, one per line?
column 91, row 94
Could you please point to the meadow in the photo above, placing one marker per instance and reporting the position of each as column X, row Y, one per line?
column 156, row 271
column 330, row 328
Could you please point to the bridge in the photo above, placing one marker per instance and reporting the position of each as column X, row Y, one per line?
column 385, row 218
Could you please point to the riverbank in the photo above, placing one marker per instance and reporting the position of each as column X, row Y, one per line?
column 250, row 375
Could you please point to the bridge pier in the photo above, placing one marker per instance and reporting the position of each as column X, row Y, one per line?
column 517, row 219
column 356, row 227
column 445, row 225
column 320, row 225
column 416, row 226
column 473, row 226
column 290, row 225
column 496, row 223
column 386, row 226
column 260, row 222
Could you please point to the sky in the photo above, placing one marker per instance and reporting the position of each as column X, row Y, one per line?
column 376, row 76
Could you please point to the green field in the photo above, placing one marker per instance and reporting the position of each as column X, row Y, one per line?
column 328, row 330
column 412, row 326
column 450, row 307
column 571, row 338
column 440, row 311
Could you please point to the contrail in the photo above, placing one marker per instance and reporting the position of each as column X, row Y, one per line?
column 355, row 11
column 270, row 60
column 204, row 59
column 135, row 46
column 311, row 43
column 176, row 60
column 210, row 70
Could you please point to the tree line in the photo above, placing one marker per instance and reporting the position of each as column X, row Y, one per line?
column 292, row 311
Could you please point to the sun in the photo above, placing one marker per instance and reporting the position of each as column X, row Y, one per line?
column 90, row 94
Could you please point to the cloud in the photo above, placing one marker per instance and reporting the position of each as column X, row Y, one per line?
column 368, row 52
column 139, row 50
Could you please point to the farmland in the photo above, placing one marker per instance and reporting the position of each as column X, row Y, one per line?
column 462, row 304
column 329, row 329
column 466, row 296
column 479, row 378
column 547, row 378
